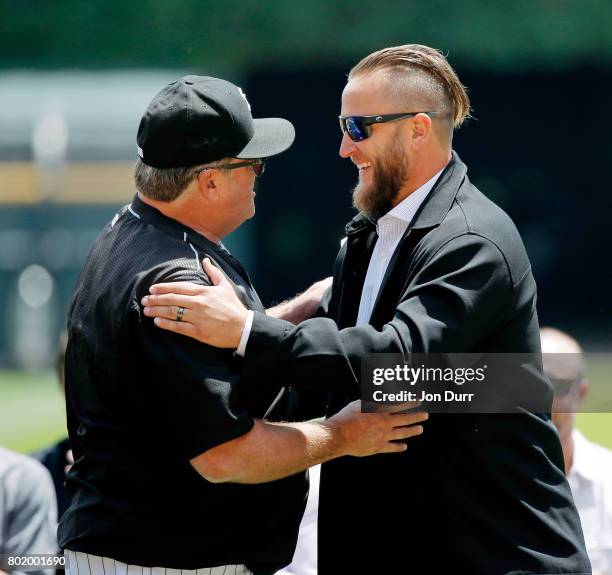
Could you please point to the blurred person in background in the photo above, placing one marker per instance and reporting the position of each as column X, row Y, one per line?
column 588, row 466
column 58, row 458
column 28, row 509
column 176, row 462
column 430, row 265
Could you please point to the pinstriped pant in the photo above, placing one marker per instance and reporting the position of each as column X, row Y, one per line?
column 78, row 563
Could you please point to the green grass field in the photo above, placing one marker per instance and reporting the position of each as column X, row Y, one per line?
column 32, row 413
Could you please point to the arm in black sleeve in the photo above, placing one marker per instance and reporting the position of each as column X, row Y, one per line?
column 460, row 293
column 196, row 385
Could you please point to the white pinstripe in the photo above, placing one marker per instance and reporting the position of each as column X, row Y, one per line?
column 82, row 562
column 119, row 569
column 109, row 566
column 197, row 257
column 198, row 264
column 133, row 212
column 96, row 565
column 78, row 563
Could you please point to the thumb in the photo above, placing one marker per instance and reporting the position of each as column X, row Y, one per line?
column 215, row 275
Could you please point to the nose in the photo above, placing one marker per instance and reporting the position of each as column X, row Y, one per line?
column 347, row 147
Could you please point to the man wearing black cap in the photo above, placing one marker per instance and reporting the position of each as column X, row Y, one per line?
column 175, row 467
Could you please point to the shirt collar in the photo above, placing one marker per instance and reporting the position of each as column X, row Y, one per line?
column 153, row 216
column 586, row 462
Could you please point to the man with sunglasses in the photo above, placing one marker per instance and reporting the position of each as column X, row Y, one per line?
column 178, row 462
column 430, row 265
column 588, row 465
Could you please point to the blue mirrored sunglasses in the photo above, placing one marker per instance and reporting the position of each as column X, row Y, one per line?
column 359, row 128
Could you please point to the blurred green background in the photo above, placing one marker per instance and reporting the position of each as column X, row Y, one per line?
column 103, row 34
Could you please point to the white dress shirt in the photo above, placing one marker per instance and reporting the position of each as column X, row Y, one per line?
column 390, row 229
column 590, row 479
column 305, row 556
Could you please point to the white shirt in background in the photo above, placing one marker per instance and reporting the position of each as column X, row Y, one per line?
column 590, row 480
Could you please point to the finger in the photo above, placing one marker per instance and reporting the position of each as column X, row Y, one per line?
column 169, row 299
column 392, row 447
column 376, row 407
column 407, row 405
column 215, row 275
column 406, row 432
column 167, row 312
column 181, row 327
column 184, row 288
column 402, row 419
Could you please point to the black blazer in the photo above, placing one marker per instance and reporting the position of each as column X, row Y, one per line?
column 479, row 493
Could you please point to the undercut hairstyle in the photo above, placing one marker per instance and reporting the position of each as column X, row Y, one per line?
column 421, row 76
column 164, row 185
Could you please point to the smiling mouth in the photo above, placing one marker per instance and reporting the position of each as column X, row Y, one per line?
column 363, row 167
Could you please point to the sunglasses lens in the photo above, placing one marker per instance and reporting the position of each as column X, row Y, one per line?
column 355, row 128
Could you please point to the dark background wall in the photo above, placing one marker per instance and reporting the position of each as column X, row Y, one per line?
column 539, row 145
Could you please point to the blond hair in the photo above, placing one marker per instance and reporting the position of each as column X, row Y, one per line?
column 423, row 75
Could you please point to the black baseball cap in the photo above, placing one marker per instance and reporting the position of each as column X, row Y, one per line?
column 200, row 119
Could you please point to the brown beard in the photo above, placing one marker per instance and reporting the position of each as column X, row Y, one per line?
column 390, row 173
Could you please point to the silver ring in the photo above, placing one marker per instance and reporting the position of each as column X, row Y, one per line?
column 179, row 313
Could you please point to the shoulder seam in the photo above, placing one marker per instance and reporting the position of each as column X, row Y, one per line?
column 459, row 204
column 488, row 240
column 197, row 257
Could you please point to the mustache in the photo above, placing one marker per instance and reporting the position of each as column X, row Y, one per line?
column 376, row 197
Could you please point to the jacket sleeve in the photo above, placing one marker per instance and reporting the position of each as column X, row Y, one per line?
column 457, row 296
column 323, row 307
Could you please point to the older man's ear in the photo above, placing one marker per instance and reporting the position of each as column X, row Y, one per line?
column 207, row 185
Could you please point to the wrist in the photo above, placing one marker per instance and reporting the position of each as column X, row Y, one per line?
column 244, row 334
column 338, row 442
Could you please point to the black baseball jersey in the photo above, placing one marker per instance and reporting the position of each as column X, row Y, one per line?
column 141, row 402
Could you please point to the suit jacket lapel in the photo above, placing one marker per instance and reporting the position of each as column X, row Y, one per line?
column 395, row 277
column 361, row 238
column 429, row 215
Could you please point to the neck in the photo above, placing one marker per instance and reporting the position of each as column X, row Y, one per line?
column 422, row 174
column 184, row 213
